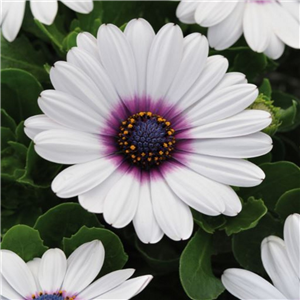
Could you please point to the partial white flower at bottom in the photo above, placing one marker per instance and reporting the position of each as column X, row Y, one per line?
column 281, row 261
column 267, row 24
column 43, row 10
column 53, row 277
column 152, row 126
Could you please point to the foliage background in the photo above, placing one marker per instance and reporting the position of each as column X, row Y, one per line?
column 33, row 218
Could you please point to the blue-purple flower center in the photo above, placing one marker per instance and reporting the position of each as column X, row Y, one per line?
column 146, row 139
column 56, row 296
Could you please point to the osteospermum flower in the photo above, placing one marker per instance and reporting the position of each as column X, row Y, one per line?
column 267, row 24
column 153, row 126
column 53, row 277
column 281, row 260
column 44, row 10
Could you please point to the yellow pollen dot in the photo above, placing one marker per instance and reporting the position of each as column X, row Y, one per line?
column 130, row 126
column 127, row 151
column 156, row 158
column 168, row 123
column 124, row 123
column 125, row 132
column 150, row 153
column 165, row 145
column 149, row 114
column 123, row 138
column 143, row 154
column 149, row 158
column 132, row 120
column 138, row 159
column 132, row 147
column 141, row 113
column 132, row 156
column 170, row 143
column 159, row 119
column 160, row 153
column 33, row 296
column 170, row 132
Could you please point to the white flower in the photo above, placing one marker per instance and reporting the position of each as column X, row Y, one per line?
column 281, row 260
column 44, row 10
column 267, row 24
column 153, row 126
column 53, row 277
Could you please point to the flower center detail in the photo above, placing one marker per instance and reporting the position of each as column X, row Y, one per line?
column 57, row 296
column 146, row 139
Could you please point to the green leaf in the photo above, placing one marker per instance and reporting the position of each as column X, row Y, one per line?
column 288, row 203
column 6, row 136
column 29, row 59
column 253, row 210
column 250, row 63
column 163, row 257
column 24, row 241
column 290, row 110
column 208, row 223
column 246, row 244
column 280, row 177
column 53, row 33
column 7, row 121
column 266, row 88
column 21, row 137
column 195, row 269
column 287, row 117
column 38, row 172
column 70, row 41
column 20, row 91
column 26, row 215
column 62, row 221
column 115, row 257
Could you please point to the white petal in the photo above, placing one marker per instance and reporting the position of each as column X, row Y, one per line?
column 195, row 51
column 292, row 240
column 45, row 10
column 34, row 265
column 168, row 209
column 231, row 78
column 128, row 289
column 106, row 283
column 224, row 34
column 68, row 147
column 7, row 291
column 88, row 42
column 211, row 13
column 39, row 123
column 279, row 268
column 144, row 222
column 140, row 35
column 164, row 60
column 81, row 6
column 230, row 171
column 214, row 70
column 222, row 103
column 246, row 285
column 81, row 178
column 284, row 26
column 257, row 29
column 121, row 202
column 244, row 123
column 186, row 10
column 84, row 264
column 70, row 111
column 71, row 80
column 118, row 59
column 17, row 274
column 13, row 19
column 275, row 48
column 94, row 69
column 93, row 200
column 292, row 6
column 52, row 270
column 202, row 194
column 247, row 146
